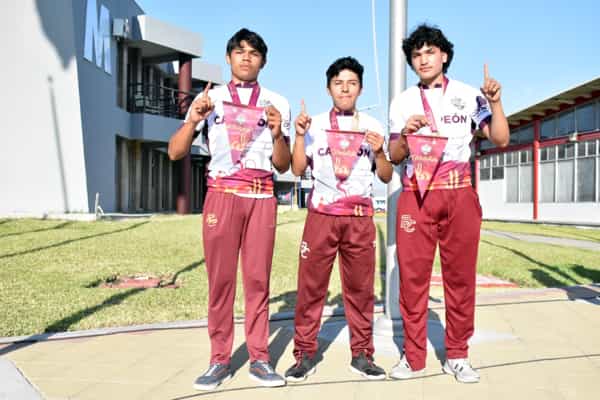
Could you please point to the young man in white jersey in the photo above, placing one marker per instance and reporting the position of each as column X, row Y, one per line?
column 449, row 213
column 247, row 130
column 339, row 219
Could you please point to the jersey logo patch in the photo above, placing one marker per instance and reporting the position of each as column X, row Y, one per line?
column 458, row 103
column 211, row 220
column 304, row 250
column 407, row 224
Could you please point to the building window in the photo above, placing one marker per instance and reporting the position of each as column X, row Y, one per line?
column 485, row 144
column 511, row 158
column 586, row 179
column 591, row 148
column 512, row 184
column 484, row 168
column 498, row 166
column 522, row 135
column 566, row 123
column 519, row 177
column 566, row 151
column 548, row 153
column 565, row 181
column 547, row 175
column 586, row 118
column 526, row 183
column 548, row 128
column 526, row 135
column 573, row 177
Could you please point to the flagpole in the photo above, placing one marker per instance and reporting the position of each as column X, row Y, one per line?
column 390, row 324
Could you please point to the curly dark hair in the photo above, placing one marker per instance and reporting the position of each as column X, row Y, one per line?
column 250, row 37
column 426, row 34
column 343, row 63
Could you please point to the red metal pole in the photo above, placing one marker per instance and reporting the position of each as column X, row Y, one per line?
column 536, row 164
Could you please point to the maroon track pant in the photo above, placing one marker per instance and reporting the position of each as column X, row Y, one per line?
column 232, row 224
column 451, row 218
column 354, row 238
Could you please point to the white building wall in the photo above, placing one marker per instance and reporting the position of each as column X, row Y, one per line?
column 42, row 160
column 569, row 212
column 492, row 197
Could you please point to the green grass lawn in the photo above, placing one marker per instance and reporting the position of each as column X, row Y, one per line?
column 571, row 232
column 49, row 270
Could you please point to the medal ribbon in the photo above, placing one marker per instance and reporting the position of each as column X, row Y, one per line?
column 427, row 107
column 235, row 97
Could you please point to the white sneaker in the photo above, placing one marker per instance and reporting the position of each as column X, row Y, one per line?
column 402, row 370
column 461, row 369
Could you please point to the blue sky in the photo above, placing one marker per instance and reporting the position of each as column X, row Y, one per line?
column 534, row 48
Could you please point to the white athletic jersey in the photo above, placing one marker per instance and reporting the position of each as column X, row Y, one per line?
column 456, row 112
column 221, row 168
column 329, row 195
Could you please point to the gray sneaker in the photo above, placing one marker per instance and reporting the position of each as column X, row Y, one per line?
column 461, row 369
column 213, row 377
column 403, row 370
column 263, row 373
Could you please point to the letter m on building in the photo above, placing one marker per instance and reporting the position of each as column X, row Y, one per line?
column 97, row 36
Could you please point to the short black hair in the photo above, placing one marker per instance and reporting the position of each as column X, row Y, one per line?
column 426, row 34
column 345, row 63
column 250, row 37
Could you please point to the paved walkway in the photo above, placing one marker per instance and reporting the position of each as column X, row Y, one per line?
column 528, row 344
column 583, row 244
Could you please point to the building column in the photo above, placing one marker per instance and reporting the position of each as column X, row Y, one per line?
column 184, row 86
column 536, row 164
column 137, row 192
column 123, row 175
column 159, row 182
column 123, row 68
column 150, row 188
column 169, row 204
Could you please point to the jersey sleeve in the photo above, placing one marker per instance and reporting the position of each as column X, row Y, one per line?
column 480, row 109
column 397, row 118
column 286, row 117
column 378, row 128
column 309, row 143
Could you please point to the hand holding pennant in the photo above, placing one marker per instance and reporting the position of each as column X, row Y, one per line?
column 375, row 140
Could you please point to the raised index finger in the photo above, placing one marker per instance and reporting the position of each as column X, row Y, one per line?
column 302, row 106
column 486, row 74
column 206, row 89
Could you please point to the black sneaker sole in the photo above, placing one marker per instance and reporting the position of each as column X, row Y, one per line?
column 369, row 377
column 198, row 386
column 303, row 377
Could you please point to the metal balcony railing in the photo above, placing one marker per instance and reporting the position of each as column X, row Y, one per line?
column 157, row 100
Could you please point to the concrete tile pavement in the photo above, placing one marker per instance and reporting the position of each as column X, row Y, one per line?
column 528, row 344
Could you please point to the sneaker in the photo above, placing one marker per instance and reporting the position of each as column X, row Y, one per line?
column 365, row 366
column 403, row 370
column 263, row 373
column 213, row 377
column 461, row 369
column 301, row 370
